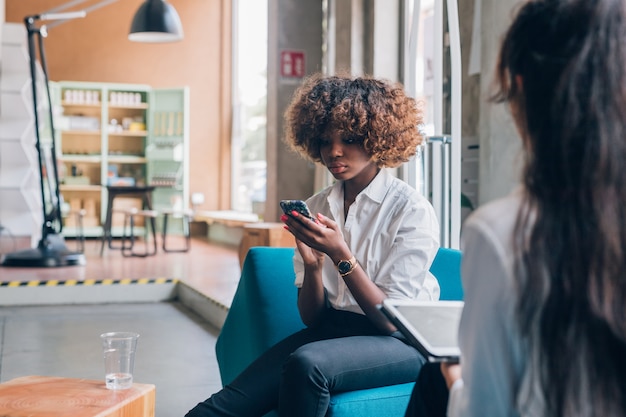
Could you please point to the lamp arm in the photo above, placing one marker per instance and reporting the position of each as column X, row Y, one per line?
column 60, row 18
column 65, row 6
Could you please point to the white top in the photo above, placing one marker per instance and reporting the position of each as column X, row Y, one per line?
column 391, row 230
column 497, row 378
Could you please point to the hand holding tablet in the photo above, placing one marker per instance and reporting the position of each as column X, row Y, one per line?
column 430, row 326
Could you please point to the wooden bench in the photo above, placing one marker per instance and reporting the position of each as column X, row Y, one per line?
column 251, row 231
column 225, row 217
column 225, row 226
column 44, row 396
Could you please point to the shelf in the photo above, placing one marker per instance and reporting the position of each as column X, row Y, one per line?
column 141, row 106
column 171, row 153
column 81, row 132
column 130, row 133
column 73, row 104
column 93, row 148
column 86, row 159
column 160, row 138
column 165, row 186
column 92, row 188
column 127, row 159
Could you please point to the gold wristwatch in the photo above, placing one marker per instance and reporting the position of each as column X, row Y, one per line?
column 346, row 267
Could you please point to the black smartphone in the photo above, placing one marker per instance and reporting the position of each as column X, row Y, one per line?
column 298, row 205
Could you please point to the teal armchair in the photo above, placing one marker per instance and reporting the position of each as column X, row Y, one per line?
column 264, row 311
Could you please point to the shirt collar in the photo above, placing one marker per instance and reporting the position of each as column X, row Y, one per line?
column 375, row 191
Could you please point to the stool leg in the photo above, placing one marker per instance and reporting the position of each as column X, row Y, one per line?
column 164, row 232
column 123, row 243
column 80, row 239
column 132, row 236
column 154, row 238
column 186, row 234
column 128, row 250
column 104, row 240
column 150, row 222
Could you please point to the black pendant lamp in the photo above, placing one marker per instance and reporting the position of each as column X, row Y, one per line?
column 156, row 21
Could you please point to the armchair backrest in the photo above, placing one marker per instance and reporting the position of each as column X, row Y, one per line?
column 264, row 309
column 446, row 268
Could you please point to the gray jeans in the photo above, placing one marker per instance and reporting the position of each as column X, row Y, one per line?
column 297, row 375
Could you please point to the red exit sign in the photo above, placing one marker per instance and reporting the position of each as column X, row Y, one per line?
column 292, row 64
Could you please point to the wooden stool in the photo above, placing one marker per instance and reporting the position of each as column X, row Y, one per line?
column 149, row 219
column 42, row 396
column 185, row 216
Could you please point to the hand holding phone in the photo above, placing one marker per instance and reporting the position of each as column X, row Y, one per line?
column 296, row 205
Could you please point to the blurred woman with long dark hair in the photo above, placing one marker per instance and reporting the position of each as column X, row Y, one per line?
column 543, row 331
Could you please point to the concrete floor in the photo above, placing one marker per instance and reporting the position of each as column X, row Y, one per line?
column 210, row 268
column 175, row 352
column 51, row 318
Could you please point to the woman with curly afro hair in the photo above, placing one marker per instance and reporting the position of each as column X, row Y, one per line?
column 371, row 237
column 379, row 115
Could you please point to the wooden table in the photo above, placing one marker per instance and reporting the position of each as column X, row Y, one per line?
column 43, row 396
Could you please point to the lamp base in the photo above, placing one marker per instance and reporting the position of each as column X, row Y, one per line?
column 51, row 252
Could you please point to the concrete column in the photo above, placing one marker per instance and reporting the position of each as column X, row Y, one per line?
column 383, row 23
column 365, row 37
column 345, row 37
column 294, row 25
column 500, row 158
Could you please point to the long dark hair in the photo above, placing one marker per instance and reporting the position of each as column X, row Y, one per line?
column 562, row 68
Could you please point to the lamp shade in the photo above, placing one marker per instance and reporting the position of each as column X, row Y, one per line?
column 156, row 21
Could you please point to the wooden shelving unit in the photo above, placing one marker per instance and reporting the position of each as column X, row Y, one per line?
column 106, row 133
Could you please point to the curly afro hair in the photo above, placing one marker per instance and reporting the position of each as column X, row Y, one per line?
column 376, row 113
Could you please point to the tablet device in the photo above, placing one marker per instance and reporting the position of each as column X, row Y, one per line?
column 431, row 326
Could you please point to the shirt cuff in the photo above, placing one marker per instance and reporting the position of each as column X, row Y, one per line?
column 454, row 399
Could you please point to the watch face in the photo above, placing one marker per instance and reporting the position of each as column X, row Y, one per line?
column 344, row 266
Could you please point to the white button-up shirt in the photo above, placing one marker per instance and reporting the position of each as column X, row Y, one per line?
column 391, row 230
column 499, row 378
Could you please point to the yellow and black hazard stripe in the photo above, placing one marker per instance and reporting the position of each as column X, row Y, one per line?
column 87, row 282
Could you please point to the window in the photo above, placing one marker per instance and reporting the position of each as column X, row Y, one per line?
column 249, row 105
